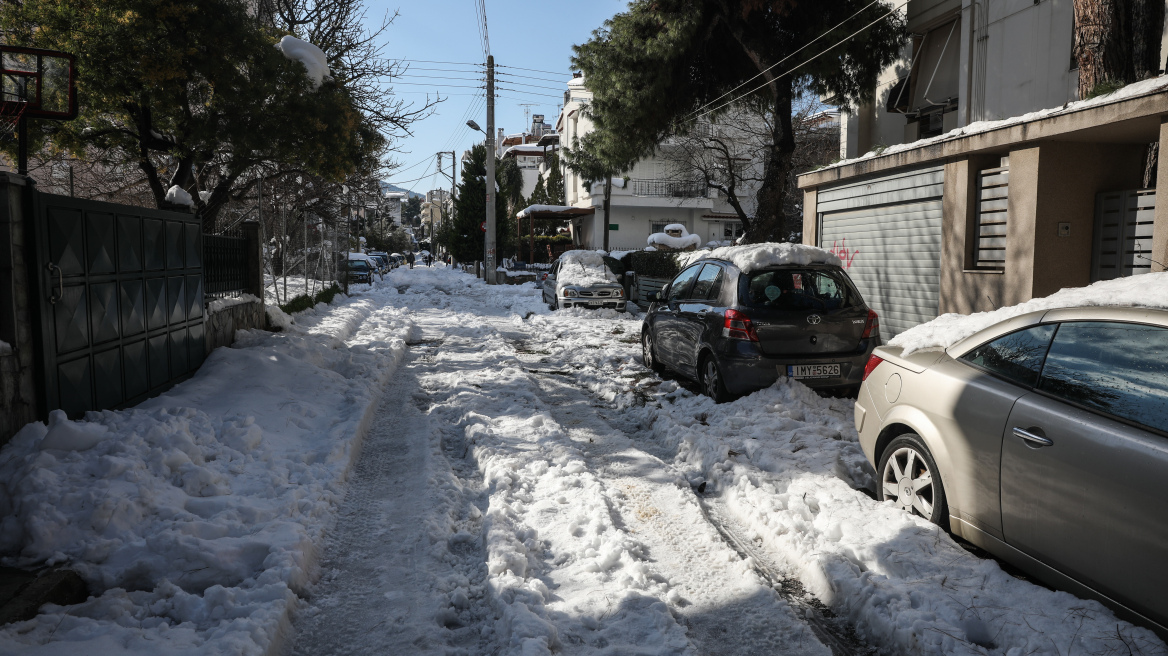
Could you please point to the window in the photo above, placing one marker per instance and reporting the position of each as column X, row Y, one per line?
column 1115, row 368
column 680, row 285
column 655, row 227
column 732, row 230
column 1016, row 357
column 709, row 283
column 790, row 289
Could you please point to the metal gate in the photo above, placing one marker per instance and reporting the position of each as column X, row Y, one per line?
column 1123, row 234
column 121, row 301
column 887, row 230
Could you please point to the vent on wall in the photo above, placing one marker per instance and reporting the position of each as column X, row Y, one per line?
column 993, row 190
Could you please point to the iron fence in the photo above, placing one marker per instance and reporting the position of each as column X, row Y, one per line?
column 668, row 188
column 224, row 265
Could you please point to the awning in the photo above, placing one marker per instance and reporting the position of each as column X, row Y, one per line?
column 561, row 212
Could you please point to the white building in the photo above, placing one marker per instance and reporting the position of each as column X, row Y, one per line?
column 645, row 199
column 391, row 207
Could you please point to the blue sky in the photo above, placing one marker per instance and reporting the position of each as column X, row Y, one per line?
column 523, row 35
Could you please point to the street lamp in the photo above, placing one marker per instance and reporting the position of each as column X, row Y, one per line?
column 474, row 126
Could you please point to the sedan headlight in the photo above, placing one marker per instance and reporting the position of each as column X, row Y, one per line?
column 618, row 293
column 570, row 293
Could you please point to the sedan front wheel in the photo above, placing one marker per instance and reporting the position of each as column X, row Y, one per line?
column 909, row 478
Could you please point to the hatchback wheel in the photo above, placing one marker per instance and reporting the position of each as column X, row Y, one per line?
column 648, row 356
column 711, row 380
column 909, row 478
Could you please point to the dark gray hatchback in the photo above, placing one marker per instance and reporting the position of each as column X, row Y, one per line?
column 736, row 332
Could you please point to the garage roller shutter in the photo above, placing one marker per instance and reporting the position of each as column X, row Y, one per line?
column 888, row 232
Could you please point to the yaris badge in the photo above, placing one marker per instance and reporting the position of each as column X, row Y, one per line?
column 814, row 319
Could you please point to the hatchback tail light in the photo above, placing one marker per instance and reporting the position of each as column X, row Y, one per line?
column 873, row 362
column 871, row 326
column 738, row 326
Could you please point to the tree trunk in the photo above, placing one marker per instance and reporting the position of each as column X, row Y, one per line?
column 607, row 199
column 1147, row 21
column 768, row 218
column 1101, row 44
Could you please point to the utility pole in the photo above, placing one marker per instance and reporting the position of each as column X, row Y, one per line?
column 489, row 272
column 453, row 172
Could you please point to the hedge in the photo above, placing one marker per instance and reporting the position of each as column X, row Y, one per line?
column 653, row 264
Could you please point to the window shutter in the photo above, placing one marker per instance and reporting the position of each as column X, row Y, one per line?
column 993, row 187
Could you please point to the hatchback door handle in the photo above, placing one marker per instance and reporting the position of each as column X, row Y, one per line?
column 703, row 311
column 1036, row 440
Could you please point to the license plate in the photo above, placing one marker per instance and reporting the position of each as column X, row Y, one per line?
column 813, row 371
column 596, row 302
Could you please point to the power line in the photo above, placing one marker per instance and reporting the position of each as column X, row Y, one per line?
column 442, row 70
column 536, row 70
column 528, row 77
column 430, row 61
column 804, row 47
column 445, row 77
column 534, row 86
column 524, row 91
column 421, row 84
column 797, row 67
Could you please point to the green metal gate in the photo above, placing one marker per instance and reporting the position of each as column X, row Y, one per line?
column 120, row 300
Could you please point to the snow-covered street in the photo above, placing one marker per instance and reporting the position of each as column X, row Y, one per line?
column 507, row 480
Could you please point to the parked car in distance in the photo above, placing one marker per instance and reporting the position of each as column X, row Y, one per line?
column 583, row 279
column 1042, row 439
column 735, row 332
column 360, row 272
column 383, row 260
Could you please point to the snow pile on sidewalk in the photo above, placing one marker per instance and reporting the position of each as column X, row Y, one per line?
column 583, row 268
column 195, row 517
column 1147, row 290
column 754, row 257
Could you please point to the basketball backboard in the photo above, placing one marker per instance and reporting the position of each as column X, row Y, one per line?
column 37, row 83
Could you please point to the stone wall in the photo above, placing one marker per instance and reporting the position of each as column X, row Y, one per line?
column 223, row 318
column 18, row 391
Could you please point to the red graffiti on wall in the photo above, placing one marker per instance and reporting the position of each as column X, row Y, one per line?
column 848, row 255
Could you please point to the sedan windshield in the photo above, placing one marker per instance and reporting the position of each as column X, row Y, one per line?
column 799, row 289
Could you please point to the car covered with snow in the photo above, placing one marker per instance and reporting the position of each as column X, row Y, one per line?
column 584, row 279
column 1038, row 433
column 739, row 318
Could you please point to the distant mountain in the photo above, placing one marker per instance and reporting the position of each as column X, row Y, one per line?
column 385, row 186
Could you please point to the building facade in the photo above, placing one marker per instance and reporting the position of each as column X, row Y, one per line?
column 645, row 199
column 977, row 177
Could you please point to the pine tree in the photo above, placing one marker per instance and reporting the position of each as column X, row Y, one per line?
column 651, row 68
column 464, row 236
column 555, row 182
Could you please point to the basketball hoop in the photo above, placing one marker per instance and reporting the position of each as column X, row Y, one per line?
column 34, row 83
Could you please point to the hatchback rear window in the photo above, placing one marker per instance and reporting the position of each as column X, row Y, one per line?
column 796, row 289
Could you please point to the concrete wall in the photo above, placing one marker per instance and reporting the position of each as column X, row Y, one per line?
column 1050, row 183
column 1160, row 227
column 18, row 391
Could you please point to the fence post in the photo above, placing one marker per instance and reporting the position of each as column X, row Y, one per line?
column 19, row 402
column 255, row 259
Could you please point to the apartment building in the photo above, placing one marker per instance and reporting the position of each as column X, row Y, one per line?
column 977, row 178
column 651, row 195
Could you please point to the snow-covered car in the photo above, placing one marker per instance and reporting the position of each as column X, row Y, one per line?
column 360, row 271
column 1040, row 438
column 384, row 260
column 739, row 318
column 583, row 279
column 368, row 261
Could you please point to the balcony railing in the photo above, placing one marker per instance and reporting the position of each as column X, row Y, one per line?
column 668, row 188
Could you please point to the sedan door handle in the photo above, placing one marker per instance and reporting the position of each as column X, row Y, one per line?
column 1036, row 440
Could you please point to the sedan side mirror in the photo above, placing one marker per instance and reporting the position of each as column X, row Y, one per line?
column 653, row 297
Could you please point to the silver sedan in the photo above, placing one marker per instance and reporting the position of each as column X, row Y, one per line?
column 1043, row 440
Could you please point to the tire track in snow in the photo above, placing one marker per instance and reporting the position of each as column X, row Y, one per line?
column 725, row 606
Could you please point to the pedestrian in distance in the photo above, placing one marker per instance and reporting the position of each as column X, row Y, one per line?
column 410, row 259
column 429, row 260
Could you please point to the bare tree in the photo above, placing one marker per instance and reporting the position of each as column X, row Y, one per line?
column 726, row 154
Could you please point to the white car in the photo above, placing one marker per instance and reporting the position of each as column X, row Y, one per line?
column 583, row 279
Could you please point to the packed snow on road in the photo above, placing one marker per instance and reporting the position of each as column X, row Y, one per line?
column 431, row 465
